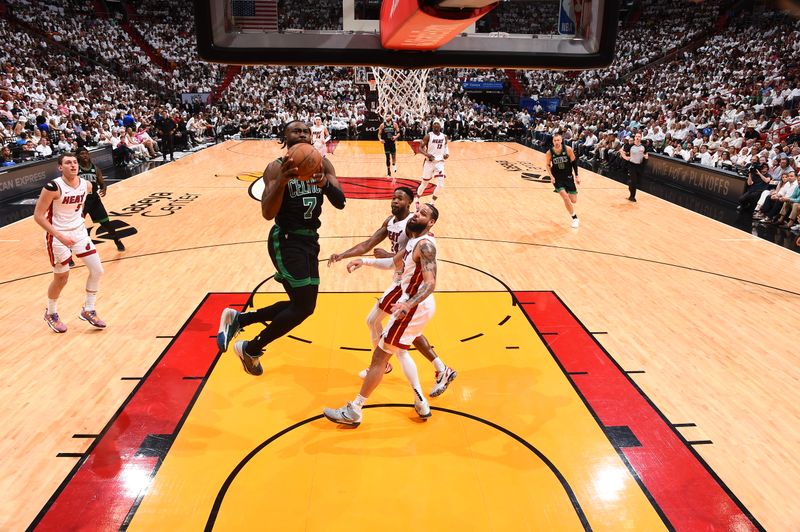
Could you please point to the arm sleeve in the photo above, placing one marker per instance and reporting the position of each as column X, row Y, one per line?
column 381, row 264
column 575, row 166
column 334, row 195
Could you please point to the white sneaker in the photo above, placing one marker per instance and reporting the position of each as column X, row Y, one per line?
column 363, row 373
column 443, row 380
column 345, row 415
column 394, row 168
column 575, row 223
column 423, row 408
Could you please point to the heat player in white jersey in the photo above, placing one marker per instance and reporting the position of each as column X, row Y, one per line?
column 320, row 136
column 59, row 211
column 394, row 227
column 415, row 266
column 434, row 148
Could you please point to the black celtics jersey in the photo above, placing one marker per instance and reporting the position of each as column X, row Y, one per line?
column 389, row 131
column 301, row 206
column 560, row 163
column 89, row 174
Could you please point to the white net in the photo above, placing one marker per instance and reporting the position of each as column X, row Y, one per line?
column 402, row 92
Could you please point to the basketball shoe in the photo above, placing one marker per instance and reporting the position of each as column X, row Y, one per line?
column 93, row 319
column 363, row 373
column 345, row 415
column 228, row 328
column 251, row 364
column 423, row 408
column 575, row 223
column 54, row 322
column 443, row 380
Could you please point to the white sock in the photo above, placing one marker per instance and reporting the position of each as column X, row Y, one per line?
column 358, row 402
column 91, row 297
column 52, row 306
column 439, row 365
column 410, row 370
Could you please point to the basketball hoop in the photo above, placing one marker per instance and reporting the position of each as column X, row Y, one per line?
column 401, row 91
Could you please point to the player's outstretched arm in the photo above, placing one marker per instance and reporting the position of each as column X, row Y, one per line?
column 362, row 247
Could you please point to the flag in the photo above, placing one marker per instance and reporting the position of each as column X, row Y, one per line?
column 255, row 14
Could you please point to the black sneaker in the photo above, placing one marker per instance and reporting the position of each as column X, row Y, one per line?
column 251, row 364
column 632, row 199
column 120, row 245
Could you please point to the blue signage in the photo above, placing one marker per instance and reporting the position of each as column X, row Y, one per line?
column 482, row 86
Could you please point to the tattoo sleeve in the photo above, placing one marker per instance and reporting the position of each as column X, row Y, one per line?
column 427, row 259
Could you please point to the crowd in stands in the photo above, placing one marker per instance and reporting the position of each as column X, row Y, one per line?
column 321, row 15
column 510, row 16
column 730, row 100
column 663, row 27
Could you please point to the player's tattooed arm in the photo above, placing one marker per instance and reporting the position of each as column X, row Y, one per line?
column 427, row 260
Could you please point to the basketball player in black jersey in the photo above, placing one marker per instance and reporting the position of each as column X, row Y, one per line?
column 561, row 164
column 388, row 133
column 94, row 206
column 293, row 244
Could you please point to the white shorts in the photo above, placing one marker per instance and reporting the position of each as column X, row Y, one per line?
column 322, row 149
column 60, row 254
column 400, row 333
column 433, row 169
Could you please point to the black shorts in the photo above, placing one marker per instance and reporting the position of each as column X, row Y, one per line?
column 566, row 183
column 295, row 255
column 94, row 207
column 390, row 147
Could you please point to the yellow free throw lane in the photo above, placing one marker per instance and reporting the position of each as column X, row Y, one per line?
column 474, row 468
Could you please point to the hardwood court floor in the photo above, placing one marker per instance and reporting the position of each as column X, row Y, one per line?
column 702, row 310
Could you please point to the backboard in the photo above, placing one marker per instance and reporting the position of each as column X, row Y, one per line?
column 527, row 34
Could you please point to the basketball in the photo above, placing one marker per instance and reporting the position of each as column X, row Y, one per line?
column 307, row 159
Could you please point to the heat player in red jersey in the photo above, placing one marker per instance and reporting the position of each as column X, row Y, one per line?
column 59, row 211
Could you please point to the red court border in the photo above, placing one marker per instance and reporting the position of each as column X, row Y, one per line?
column 97, row 494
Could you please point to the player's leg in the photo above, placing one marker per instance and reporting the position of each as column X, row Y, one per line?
column 350, row 413
column 92, row 262
column 97, row 211
column 296, row 259
column 572, row 196
column 394, row 159
column 375, row 324
column 60, row 256
column 567, row 203
column 444, row 375
column 439, row 182
column 388, row 155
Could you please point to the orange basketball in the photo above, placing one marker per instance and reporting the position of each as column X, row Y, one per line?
column 307, row 159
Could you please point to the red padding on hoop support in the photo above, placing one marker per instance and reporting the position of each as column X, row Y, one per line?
column 413, row 25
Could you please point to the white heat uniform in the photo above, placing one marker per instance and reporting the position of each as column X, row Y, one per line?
column 400, row 332
column 66, row 216
column 318, row 139
column 397, row 232
column 437, row 146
